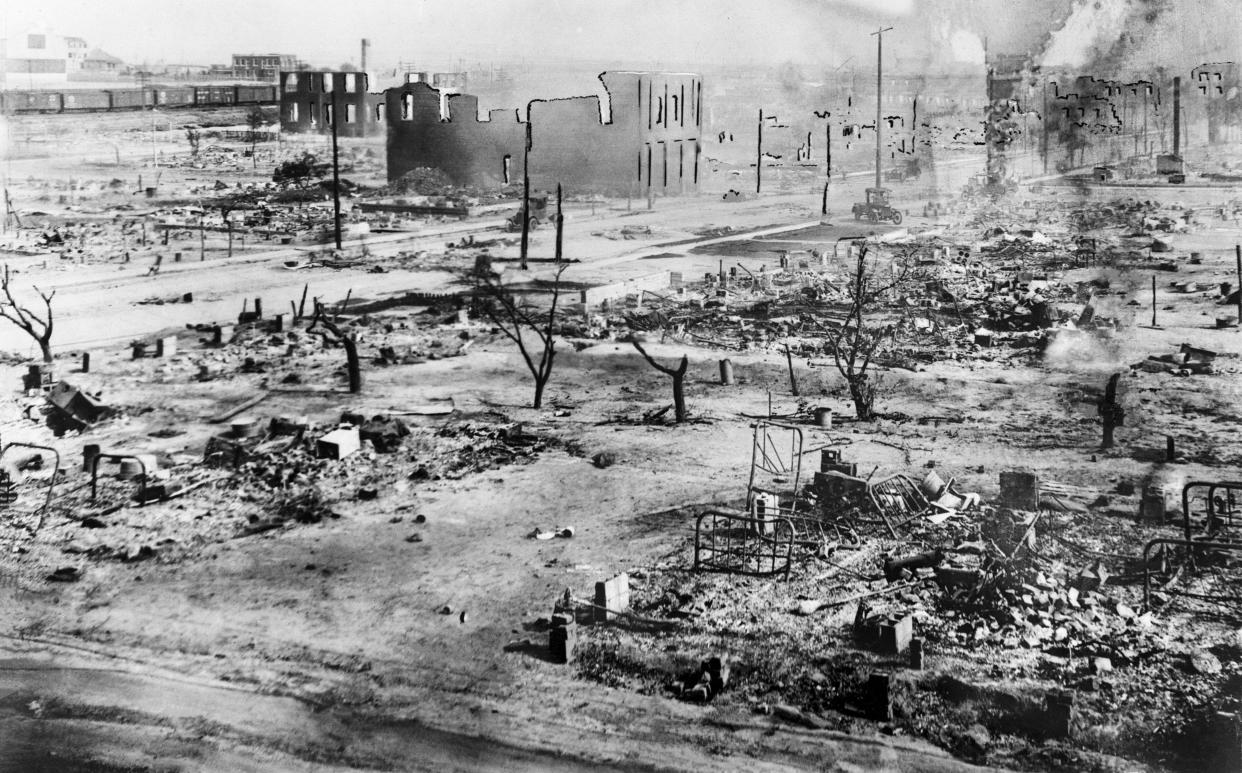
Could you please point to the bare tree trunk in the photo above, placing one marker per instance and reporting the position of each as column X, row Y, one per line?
column 331, row 332
column 352, row 365
column 539, row 384
column 863, row 395
column 45, row 346
column 508, row 314
column 679, row 395
column 678, row 375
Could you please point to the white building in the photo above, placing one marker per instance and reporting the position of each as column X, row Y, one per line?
column 39, row 59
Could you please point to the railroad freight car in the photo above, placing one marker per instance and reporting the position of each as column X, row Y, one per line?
column 72, row 101
column 246, row 95
column 213, row 96
column 32, row 101
column 94, row 100
column 174, row 96
column 130, row 99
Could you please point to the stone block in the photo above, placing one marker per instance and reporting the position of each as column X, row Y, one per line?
column 561, row 641
column 895, row 635
column 612, row 597
column 338, row 443
column 222, row 335
column 1019, row 490
column 879, row 697
column 1152, row 507
column 1059, row 714
column 166, row 346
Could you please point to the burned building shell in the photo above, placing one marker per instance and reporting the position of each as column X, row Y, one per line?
column 644, row 136
column 309, row 102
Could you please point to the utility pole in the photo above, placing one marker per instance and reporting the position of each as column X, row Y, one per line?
column 1146, row 140
column 560, row 222
column 1044, row 120
column 828, row 148
column 759, row 155
column 879, row 108
column 526, row 192
column 336, row 173
column 1237, row 248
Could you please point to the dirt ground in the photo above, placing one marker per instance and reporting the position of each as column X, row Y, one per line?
column 391, row 610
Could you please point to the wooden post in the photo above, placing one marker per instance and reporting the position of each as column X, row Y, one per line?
column 559, row 224
column 336, row 175
column 1153, row 300
column 759, row 155
column 793, row 382
column 1238, row 257
column 1111, row 412
column 526, row 193
column 202, row 240
column 823, row 210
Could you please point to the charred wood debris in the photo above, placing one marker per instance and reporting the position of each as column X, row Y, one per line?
column 888, row 585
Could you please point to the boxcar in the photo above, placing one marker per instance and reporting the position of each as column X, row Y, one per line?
column 174, row 96
column 85, row 100
column 128, row 99
column 34, row 101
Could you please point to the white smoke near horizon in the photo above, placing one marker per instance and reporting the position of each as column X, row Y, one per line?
column 1092, row 26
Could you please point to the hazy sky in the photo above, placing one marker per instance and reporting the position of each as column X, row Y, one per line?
column 436, row 32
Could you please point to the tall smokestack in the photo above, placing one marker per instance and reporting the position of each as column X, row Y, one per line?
column 1177, row 116
column 365, row 43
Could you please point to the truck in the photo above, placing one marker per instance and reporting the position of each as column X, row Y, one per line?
column 537, row 212
column 877, row 207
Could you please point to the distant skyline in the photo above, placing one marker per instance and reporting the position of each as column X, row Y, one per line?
column 442, row 31
column 686, row 34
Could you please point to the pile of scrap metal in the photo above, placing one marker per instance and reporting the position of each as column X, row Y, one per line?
column 893, row 501
column 784, row 523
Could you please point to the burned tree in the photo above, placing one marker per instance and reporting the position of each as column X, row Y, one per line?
column 38, row 329
column 193, row 135
column 255, row 121
column 331, row 333
column 513, row 316
column 854, row 344
column 228, row 205
column 1112, row 414
column 678, row 375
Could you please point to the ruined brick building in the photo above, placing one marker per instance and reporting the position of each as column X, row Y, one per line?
column 643, row 135
column 309, row 102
